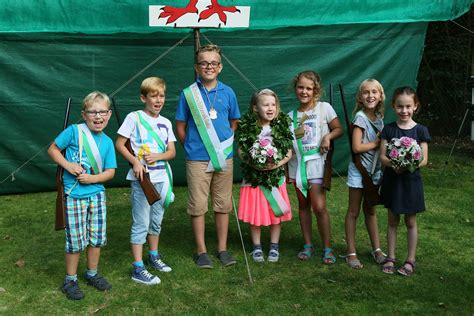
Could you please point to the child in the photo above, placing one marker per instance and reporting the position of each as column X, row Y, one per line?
column 89, row 161
column 152, row 140
column 368, row 122
column 260, row 205
column 402, row 190
column 315, row 124
column 209, row 149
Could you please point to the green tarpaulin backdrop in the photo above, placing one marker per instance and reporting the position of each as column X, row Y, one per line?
column 51, row 52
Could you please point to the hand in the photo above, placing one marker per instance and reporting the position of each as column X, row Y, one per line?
column 325, row 144
column 400, row 170
column 85, row 178
column 138, row 170
column 377, row 143
column 151, row 157
column 74, row 168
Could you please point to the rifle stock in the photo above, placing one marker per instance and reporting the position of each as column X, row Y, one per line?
column 60, row 218
column 327, row 178
column 147, row 186
column 370, row 191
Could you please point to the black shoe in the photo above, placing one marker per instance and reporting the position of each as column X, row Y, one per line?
column 226, row 258
column 98, row 282
column 203, row 261
column 72, row 290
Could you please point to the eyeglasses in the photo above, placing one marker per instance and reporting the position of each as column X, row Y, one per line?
column 205, row 64
column 94, row 113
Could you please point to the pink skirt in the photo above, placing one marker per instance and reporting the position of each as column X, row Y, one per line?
column 255, row 209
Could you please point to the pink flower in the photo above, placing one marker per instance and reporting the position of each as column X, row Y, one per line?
column 264, row 141
column 417, row 155
column 393, row 153
column 406, row 141
column 270, row 152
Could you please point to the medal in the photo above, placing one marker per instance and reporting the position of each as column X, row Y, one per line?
column 212, row 114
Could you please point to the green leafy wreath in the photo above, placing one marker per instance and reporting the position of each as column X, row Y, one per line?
column 248, row 133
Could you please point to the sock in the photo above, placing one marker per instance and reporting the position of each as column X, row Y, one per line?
column 153, row 252
column 257, row 247
column 70, row 278
column 138, row 264
column 274, row 246
column 91, row 273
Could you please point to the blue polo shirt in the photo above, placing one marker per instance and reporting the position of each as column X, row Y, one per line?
column 225, row 103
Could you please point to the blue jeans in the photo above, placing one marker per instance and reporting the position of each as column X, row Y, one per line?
column 146, row 218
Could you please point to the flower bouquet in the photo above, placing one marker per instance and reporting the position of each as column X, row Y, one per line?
column 263, row 152
column 404, row 152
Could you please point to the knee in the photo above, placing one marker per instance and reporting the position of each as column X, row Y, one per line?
column 353, row 212
column 320, row 211
column 410, row 222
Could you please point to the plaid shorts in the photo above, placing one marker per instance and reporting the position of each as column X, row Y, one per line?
column 85, row 222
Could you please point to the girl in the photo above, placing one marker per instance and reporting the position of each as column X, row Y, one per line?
column 263, row 197
column 315, row 124
column 402, row 190
column 367, row 122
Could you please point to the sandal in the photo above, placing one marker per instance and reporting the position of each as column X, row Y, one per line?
column 306, row 253
column 328, row 256
column 389, row 268
column 353, row 263
column 407, row 269
column 379, row 256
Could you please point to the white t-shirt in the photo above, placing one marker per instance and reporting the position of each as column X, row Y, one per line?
column 142, row 142
column 315, row 127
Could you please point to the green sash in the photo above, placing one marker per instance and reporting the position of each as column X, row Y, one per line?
column 167, row 190
column 217, row 150
column 275, row 199
column 90, row 147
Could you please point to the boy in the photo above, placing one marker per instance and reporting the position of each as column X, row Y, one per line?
column 89, row 161
column 208, row 147
column 152, row 140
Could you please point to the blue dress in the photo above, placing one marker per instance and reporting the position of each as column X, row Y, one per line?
column 403, row 193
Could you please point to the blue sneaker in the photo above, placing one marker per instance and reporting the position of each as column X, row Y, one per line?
column 158, row 264
column 141, row 275
column 72, row 290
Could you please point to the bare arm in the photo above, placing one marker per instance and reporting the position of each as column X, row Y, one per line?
column 169, row 154
column 424, row 147
column 357, row 145
column 138, row 168
column 336, row 131
column 102, row 177
column 383, row 154
column 234, row 124
column 55, row 153
column 181, row 131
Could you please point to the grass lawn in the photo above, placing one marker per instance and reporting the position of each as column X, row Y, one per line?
column 32, row 259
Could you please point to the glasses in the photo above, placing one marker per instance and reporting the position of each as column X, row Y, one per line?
column 94, row 113
column 205, row 64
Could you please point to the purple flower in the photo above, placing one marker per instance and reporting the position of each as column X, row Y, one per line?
column 393, row 153
column 264, row 141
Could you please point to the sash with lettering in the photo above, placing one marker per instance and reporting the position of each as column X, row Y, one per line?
column 144, row 129
column 217, row 150
column 302, row 156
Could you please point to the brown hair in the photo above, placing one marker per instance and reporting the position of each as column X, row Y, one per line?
column 208, row 48
column 152, row 84
column 313, row 76
column 408, row 91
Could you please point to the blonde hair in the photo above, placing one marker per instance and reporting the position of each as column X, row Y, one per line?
column 313, row 76
column 93, row 97
column 152, row 84
column 208, row 48
column 256, row 98
column 359, row 105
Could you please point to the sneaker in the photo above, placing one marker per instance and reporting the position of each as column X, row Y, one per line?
column 158, row 264
column 72, row 290
column 257, row 255
column 203, row 261
column 273, row 255
column 98, row 282
column 141, row 275
column 226, row 258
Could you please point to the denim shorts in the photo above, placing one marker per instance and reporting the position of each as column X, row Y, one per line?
column 354, row 178
column 146, row 218
column 85, row 222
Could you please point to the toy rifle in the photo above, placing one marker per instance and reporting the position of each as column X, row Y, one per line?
column 327, row 177
column 370, row 191
column 60, row 221
column 147, row 186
